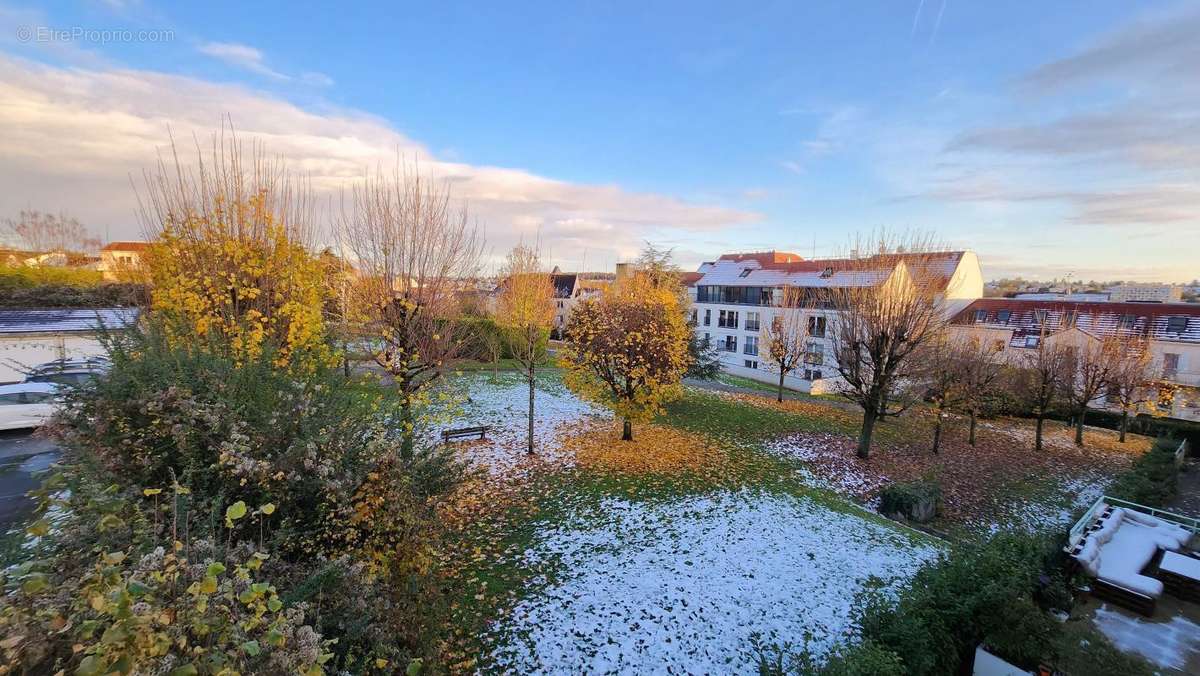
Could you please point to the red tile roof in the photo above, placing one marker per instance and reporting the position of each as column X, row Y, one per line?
column 764, row 258
column 126, row 246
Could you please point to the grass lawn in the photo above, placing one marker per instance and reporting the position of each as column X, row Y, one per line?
column 733, row 521
column 683, row 550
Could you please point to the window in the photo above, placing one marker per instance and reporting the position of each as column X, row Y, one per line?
column 707, row 317
column 745, row 272
column 727, row 319
column 1177, row 324
column 1031, row 341
column 1127, row 321
column 1170, row 365
column 751, row 346
column 812, row 374
column 694, row 317
column 750, row 364
column 731, row 343
column 1068, row 319
column 1003, row 315
column 560, row 304
column 752, row 319
column 827, row 272
column 816, row 327
column 1039, row 316
column 10, row 399
column 814, row 353
column 981, row 316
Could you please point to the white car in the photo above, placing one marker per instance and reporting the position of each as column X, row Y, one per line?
column 26, row 405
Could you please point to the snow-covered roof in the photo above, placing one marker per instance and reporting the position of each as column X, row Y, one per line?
column 65, row 320
column 1157, row 321
column 774, row 269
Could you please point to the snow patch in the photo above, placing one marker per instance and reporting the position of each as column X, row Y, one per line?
column 831, row 469
column 1166, row 644
column 687, row 586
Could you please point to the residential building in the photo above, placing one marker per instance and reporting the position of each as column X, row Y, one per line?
column 570, row 288
column 32, row 337
column 1145, row 293
column 1172, row 331
column 120, row 259
column 738, row 295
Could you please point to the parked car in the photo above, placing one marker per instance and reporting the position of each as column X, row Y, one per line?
column 68, row 371
column 25, row 405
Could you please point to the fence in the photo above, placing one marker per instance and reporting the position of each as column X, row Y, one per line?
column 1190, row 523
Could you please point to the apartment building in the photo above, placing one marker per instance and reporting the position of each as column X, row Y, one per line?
column 736, row 296
column 1172, row 330
column 1145, row 293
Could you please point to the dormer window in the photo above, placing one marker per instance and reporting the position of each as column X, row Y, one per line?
column 827, row 272
column 745, row 272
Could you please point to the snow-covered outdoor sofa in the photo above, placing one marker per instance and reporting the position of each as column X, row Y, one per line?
column 1116, row 544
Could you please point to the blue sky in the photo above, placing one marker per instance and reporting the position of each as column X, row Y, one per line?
column 1050, row 137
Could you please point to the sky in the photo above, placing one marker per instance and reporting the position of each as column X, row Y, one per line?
column 1051, row 138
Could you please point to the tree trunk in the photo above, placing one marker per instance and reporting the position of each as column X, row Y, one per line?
column 864, row 438
column 627, row 431
column 1079, row 427
column 531, row 380
column 937, row 433
column 1124, row 424
column 1037, row 443
column 971, row 436
column 407, row 429
column 779, row 397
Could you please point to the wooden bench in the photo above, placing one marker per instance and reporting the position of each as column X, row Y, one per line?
column 465, row 432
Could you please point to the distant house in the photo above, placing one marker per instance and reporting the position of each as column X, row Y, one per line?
column 32, row 337
column 119, row 259
column 1172, row 330
column 572, row 287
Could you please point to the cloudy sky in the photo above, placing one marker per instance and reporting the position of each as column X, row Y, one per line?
column 1052, row 138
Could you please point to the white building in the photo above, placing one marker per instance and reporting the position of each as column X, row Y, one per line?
column 737, row 295
column 1145, row 293
column 32, row 337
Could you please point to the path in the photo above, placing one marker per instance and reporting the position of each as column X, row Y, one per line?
column 717, row 386
column 1187, row 500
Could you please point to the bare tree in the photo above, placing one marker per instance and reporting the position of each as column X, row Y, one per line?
column 43, row 232
column 526, row 313
column 1040, row 379
column 944, row 359
column 981, row 370
column 1090, row 365
column 784, row 338
column 1129, row 383
column 891, row 304
column 415, row 249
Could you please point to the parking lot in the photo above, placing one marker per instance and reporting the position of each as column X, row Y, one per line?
column 23, row 453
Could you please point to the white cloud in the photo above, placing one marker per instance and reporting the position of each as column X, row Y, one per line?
column 253, row 60
column 73, row 138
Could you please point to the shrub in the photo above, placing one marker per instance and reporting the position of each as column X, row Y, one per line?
column 916, row 500
column 74, row 296
column 26, row 277
column 1154, row 478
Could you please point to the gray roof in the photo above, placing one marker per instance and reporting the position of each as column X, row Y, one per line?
column 65, row 320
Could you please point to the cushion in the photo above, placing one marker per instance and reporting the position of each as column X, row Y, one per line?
column 1123, row 557
column 1171, row 535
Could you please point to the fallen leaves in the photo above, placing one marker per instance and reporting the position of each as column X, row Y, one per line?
column 654, row 450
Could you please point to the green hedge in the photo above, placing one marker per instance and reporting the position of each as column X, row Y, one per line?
column 1153, row 480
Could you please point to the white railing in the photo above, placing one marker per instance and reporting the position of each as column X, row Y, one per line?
column 1077, row 531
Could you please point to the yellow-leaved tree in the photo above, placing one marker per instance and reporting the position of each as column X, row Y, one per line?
column 628, row 349
column 229, row 263
column 525, row 312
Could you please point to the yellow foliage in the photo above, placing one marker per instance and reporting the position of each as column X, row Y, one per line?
column 628, row 350
column 240, row 276
column 655, row 450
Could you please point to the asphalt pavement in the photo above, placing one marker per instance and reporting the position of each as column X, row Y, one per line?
column 22, row 455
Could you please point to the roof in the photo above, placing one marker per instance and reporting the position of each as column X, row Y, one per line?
column 29, row 387
column 126, row 246
column 1152, row 320
column 564, row 285
column 65, row 320
column 775, row 269
column 690, row 278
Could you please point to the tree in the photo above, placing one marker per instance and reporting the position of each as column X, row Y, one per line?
column 526, row 313
column 891, row 305
column 944, row 357
column 1090, row 365
column 229, row 265
column 627, row 350
column 981, row 372
column 42, row 232
column 1040, row 379
column 415, row 250
column 784, row 338
column 1129, row 380
column 702, row 354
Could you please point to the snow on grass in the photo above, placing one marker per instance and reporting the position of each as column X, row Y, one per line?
column 833, row 471
column 687, row 586
column 1056, row 510
column 501, row 401
column 1168, row 644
